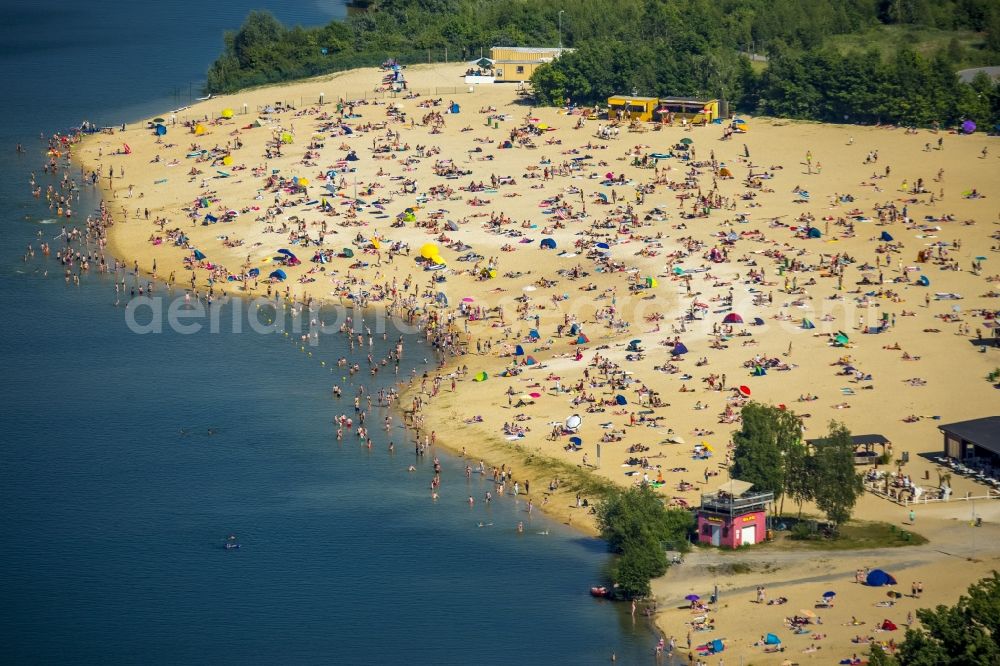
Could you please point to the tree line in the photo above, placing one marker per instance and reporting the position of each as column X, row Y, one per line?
column 681, row 47
column 771, row 454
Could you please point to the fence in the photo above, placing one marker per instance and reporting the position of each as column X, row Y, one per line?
column 875, row 489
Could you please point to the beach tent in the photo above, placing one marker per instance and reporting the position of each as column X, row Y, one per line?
column 678, row 270
column 347, row 253
column 923, row 281
column 807, row 324
column 759, row 371
column 621, row 400
column 533, row 334
column 160, row 130
column 878, row 578
column 651, row 282
column 888, row 625
column 886, row 237
column 278, row 274
column 679, row 349
column 757, row 321
column 288, row 253
column 519, row 351
column 442, row 298
column 732, row 318
column 481, row 376
column 451, row 226
column 530, row 360
column 574, row 329
column 716, row 646
column 199, row 255
column 815, row 233
column 547, row 244
column 771, row 639
column 841, row 339
column 455, row 108
column 582, row 339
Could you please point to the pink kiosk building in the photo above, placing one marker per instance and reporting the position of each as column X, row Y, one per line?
column 733, row 515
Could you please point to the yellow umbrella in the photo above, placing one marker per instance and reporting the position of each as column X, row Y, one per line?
column 227, row 160
column 708, row 446
column 199, row 129
column 303, row 181
column 437, row 259
column 227, row 113
column 375, row 243
column 429, row 251
column 542, row 126
column 286, row 137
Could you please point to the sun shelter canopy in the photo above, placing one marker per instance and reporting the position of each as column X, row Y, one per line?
column 735, row 487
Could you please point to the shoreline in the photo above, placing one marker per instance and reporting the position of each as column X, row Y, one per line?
column 752, row 229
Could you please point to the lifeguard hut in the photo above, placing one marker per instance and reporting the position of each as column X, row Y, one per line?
column 695, row 111
column 633, row 107
column 733, row 515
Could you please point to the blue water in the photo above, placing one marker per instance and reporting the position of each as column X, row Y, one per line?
column 116, row 499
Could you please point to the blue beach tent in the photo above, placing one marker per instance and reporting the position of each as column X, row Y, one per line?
column 548, row 244
column 923, row 281
column 878, row 578
column 886, row 237
column 679, row 349
column 279, row 274
column 771, row 639
column 519, row 351
column 199, row 255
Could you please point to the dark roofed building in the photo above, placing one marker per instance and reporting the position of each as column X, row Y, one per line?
column 978, row 438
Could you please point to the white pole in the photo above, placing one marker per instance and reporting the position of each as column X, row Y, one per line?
column 561, row 11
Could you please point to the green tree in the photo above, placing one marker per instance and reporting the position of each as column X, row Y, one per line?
column 837, row 486
column 637, row 526
column 769, row 436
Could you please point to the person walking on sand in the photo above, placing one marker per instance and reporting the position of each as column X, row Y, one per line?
column 913, row 516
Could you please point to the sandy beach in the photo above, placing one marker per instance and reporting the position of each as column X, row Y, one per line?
column 686, row 249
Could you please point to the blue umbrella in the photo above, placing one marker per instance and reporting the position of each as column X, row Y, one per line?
column 828, row 595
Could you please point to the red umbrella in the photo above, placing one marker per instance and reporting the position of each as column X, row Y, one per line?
column 745, row 390
column 535, row 395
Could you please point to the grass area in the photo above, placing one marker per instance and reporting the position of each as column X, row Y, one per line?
column 855, row 535
column 887, row 39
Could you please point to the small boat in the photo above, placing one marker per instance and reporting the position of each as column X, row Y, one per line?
column 601, row 591
column 231, row 543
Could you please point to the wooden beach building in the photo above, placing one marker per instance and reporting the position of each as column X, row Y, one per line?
column 516, row 64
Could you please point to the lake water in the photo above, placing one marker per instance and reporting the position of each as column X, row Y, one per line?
column 115, row 498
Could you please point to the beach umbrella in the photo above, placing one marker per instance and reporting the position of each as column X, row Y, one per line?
column 534, row 395
column 303, row 182
column 745, row 390
column 686, row 141
column 573, row 422
column 603, row 246
column 829, row 595
column 732, row 318
column 533, row 334
column 621, row 400
column 159, row 120
column 717, row 646
column 968, row 127
column 708, row 447
column 878, row 578
column 279, row 275
column 480, row 377
column 160, row 130
column 286, row 137
column 347, row 252
column 692, row 597
column 428, row 250
column 651, row 282
column 678, row 270
column 576, row 441
column 227, row 160
column 467, row 299
column 676, row 439
column 548, row 244
column 199, row 129
column 227, row 113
